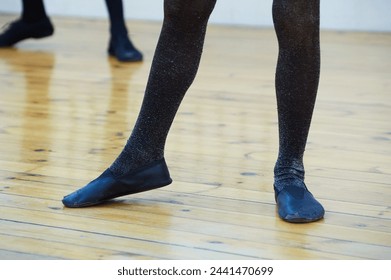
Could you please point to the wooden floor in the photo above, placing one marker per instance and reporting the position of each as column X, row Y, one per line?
column 66, row 110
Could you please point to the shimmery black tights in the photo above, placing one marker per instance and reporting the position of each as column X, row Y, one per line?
column 176, row 62
column 297, row 77
column 174, row 67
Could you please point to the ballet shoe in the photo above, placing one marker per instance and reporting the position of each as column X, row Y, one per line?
column 295, row 202
column 122, row 48
column 20, row 30
column 107, row 186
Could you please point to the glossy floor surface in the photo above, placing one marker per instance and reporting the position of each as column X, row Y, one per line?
column 66, row 110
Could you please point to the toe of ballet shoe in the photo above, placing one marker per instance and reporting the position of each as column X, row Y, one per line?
column 298, row 206
column 107, row 186
column 123, row 50
column 93, row 193
column 129, row 56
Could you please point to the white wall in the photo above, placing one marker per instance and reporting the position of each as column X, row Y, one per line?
column 363, row 15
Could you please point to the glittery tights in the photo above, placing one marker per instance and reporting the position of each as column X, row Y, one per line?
column 297, row 76
column 173, row 70
column 176, row 62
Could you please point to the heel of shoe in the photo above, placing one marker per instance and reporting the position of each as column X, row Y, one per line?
column 153, row 175
column 42, row 29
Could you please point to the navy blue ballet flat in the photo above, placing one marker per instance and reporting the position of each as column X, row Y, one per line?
column 122, row 48
column 295, row 202
column 106, row 186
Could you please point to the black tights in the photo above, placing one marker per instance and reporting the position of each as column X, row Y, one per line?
column 141, row 167
column 176, row 62
column 174, row 67
column 33, row 10
column 297, row 77
column 116, row 15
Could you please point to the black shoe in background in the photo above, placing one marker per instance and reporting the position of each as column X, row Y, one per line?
column 19, row 30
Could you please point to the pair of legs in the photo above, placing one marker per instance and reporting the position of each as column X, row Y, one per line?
column 34, row 23
column 141, row 166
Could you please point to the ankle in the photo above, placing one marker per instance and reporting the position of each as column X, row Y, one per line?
column 32, row 20
column 288, row 172
column 118, row 31
column 129, row 161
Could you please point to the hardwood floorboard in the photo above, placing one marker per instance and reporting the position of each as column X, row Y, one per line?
column 67, row 109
